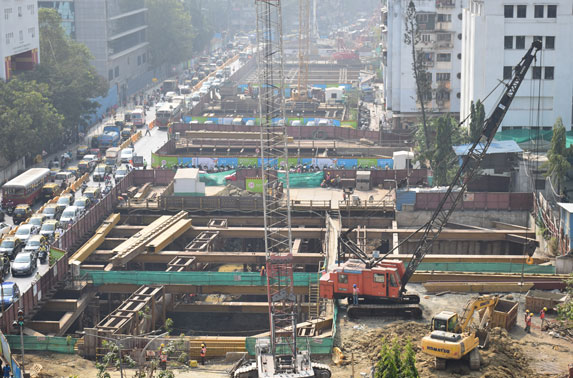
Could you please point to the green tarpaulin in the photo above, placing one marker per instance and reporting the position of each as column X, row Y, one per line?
column 215, row 179
column 303, row 180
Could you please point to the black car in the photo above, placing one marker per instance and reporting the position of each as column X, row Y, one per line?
column 11, row 246
column 24, row 264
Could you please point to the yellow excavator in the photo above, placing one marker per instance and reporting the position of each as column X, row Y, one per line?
column 451, row 337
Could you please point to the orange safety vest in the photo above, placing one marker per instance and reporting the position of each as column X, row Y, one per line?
column 203, row 351
column 542, row 314
column 163, row 357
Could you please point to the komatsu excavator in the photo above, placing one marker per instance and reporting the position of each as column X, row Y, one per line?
column 452, row 338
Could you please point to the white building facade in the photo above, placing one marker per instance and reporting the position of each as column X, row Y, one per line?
column 495, row 35
column 439, row 24
column 19, row 40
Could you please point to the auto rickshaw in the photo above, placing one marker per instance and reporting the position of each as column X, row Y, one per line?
column 74, row 170
column 84, row 166
column 125, row 133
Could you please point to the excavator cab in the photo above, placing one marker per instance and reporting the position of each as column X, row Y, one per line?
column 445, row 321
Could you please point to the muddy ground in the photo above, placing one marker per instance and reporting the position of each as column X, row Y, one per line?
column 509, row 354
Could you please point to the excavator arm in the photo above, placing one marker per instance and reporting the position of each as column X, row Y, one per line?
column 488, row 302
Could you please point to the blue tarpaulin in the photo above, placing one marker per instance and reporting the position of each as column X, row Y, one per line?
column 496, row 147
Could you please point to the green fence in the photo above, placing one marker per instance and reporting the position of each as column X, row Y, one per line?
column 476, row 267
column 43, row 343
column 303, row 180
column 317, row 345
column 190, row 278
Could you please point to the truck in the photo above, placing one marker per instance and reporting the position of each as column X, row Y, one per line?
column 110, row 136
column 111, row 156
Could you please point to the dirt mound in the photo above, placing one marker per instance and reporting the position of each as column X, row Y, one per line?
column 503, row 358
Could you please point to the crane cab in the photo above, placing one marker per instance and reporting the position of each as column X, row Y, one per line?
column 380, row 283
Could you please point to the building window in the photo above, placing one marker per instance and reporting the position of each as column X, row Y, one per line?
column 443, row 76
column 536, row 73
column 539, row 11
column 444, row 37
column 442, row 96
column 520, row 42
column 444, row 57
column 429, row 77
column 508, row 42
column 139, row 60
column 549, row 43
column 110, row 75
column 521, row 11
column 444, row 17
column 32, row 32
column 551, row 11
column 144, row 56
column 21, row 35
column 31, row 8
column 549, row 72
column 116, row 73
column 508, row 11
column 507, row 72
column 7, row 13
column 426, row 38
column 538, row 38
column 8, row 38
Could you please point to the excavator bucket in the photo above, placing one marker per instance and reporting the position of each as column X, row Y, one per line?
column 483, row 336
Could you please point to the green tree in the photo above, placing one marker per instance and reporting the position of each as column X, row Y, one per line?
column 477, row 119
column 565, row 310
column 30, row 123
column 170, row 32
column 65, row 67
column 395, row 354
column 380, row 366
column 409, row 369
column 421, row 77
column 557, row 164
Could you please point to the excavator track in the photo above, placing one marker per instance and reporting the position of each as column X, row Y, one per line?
column 412, row 311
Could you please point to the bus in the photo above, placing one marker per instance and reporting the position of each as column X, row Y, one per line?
column 25, row 188
column 170, row 112
column 138, row 117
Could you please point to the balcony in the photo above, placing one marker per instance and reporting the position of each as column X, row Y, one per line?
column 445, row 3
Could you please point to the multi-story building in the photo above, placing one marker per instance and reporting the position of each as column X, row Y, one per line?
column 496, row 35
column 115, row 31
column 19, row 40
column 439, row 24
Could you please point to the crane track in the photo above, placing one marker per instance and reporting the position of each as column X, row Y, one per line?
column 413, row 311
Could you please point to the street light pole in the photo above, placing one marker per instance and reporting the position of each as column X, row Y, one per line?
column 20, row 323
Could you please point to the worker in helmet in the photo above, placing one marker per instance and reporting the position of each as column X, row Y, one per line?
column 355, row 293
column 162, row 357
column 203, row 353
column 528, row 322
column 525, row 316
column 542, row 316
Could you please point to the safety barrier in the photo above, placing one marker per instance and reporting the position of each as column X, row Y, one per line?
column 45, row 344
column 188, row 278
column 6, row 352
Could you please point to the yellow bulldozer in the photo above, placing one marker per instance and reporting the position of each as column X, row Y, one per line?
column 453, row 337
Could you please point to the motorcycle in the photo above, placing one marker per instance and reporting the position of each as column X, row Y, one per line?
column 43, row 255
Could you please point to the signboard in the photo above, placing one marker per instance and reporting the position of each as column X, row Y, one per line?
column 254, row 185
column 137, row 161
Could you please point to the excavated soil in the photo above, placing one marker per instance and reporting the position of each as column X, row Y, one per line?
column 503, row 358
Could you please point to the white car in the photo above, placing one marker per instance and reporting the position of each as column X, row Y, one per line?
column 24, row 232
column 4, row 229
column 91, row 159
column 121, row 172
column 70, row 215
column 126, row 155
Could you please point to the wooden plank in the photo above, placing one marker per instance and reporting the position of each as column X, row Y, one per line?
column 96, row 240
column 169, row 235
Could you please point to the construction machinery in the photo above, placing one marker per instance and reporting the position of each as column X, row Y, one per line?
column 278, row 355
column 382, row 282
column 451, row 337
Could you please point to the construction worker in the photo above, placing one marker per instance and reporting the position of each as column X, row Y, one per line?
column 263, row 273
column 203, row 353
column 542, row 316
column 528, row 323
column 148, row 130
column 162, row 357
column 525, row 316
column 355, row 294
